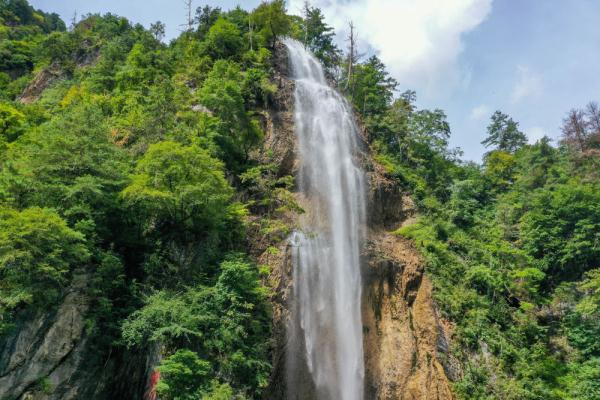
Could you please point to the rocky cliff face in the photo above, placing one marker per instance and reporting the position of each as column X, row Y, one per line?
column 405, row 345
column 50, row 356
column 406, row 348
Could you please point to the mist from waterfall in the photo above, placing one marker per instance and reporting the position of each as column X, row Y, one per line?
column 326, row 298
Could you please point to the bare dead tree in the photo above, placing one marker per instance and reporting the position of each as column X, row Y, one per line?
column 592, row 111
column 351, row 53
column 353, row 56
column 306, row 10
column 574, row 129
column 73, row 20
column 188, row 4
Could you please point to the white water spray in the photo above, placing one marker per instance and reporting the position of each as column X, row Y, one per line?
column 326, row 300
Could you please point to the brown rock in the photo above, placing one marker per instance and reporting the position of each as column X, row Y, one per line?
column 401, row 327
column 42, row 80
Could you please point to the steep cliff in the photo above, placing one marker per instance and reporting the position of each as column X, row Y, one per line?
column 405, row 344
column 50, row 356
column 406, row 348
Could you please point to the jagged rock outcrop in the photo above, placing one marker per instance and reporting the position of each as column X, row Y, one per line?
column 44, row 351
column 50, row 356
column 278, row 120
column 405, row 344
column 40, row 82
column 406, row 347
column 86, row 55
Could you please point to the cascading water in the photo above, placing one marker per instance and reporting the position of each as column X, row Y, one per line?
column 326, row 300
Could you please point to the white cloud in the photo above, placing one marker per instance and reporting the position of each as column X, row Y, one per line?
column 479, row 113
column 418, row 40
column 535, row 133
column 528, row 85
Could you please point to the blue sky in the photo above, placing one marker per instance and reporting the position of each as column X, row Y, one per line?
column 533, row 59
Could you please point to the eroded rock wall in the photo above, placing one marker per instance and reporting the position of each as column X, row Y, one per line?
column 405, row 344
column 50, row 356
column 406, row 348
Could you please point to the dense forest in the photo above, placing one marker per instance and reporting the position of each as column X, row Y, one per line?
column 133, row 162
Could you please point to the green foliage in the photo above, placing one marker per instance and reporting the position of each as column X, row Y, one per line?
column 413, row 144
column 38, row 252
column 562, row 229
column 128, row 166
column 236, row 133
column 583, row 382
column 271, row 21
column 223, row 40
column 504, row 134
column 111, row 300
column 371, row 88
column 16, row 56
column 225, row 324
column 19, row 12
column 183, row 376
column 319, row 37
column 499, row 169
column 21, row 30
column 58, row 47
column 45, row 385
column 121, row 174
column 67, row 164
column 179, row 189
column 144, row 65
column 12, row 123
column 514, row 262
column 205, row 18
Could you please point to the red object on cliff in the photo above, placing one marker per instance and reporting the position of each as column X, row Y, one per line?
column 151, row 393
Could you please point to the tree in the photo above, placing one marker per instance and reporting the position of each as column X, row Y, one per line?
column 581, row 128
column 205, row 18
column 183, row 375
column 271, row 20
column 373, row 88
column 353, row 56
column 536, row 165
column 574, row 130
column 17, row 11
column 189, row 23
column 144, row 65
column 12, row 122
column 237, row 133
column 499, row 169
column 504, row 134
column 223, row 40
column 158, row 30
column 226, row 323
column 181, row 190
column 38, row 251
column 318, row 37
column 70, row 165
column 562, row 229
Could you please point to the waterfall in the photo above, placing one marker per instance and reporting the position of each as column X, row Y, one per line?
column 326, row 298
